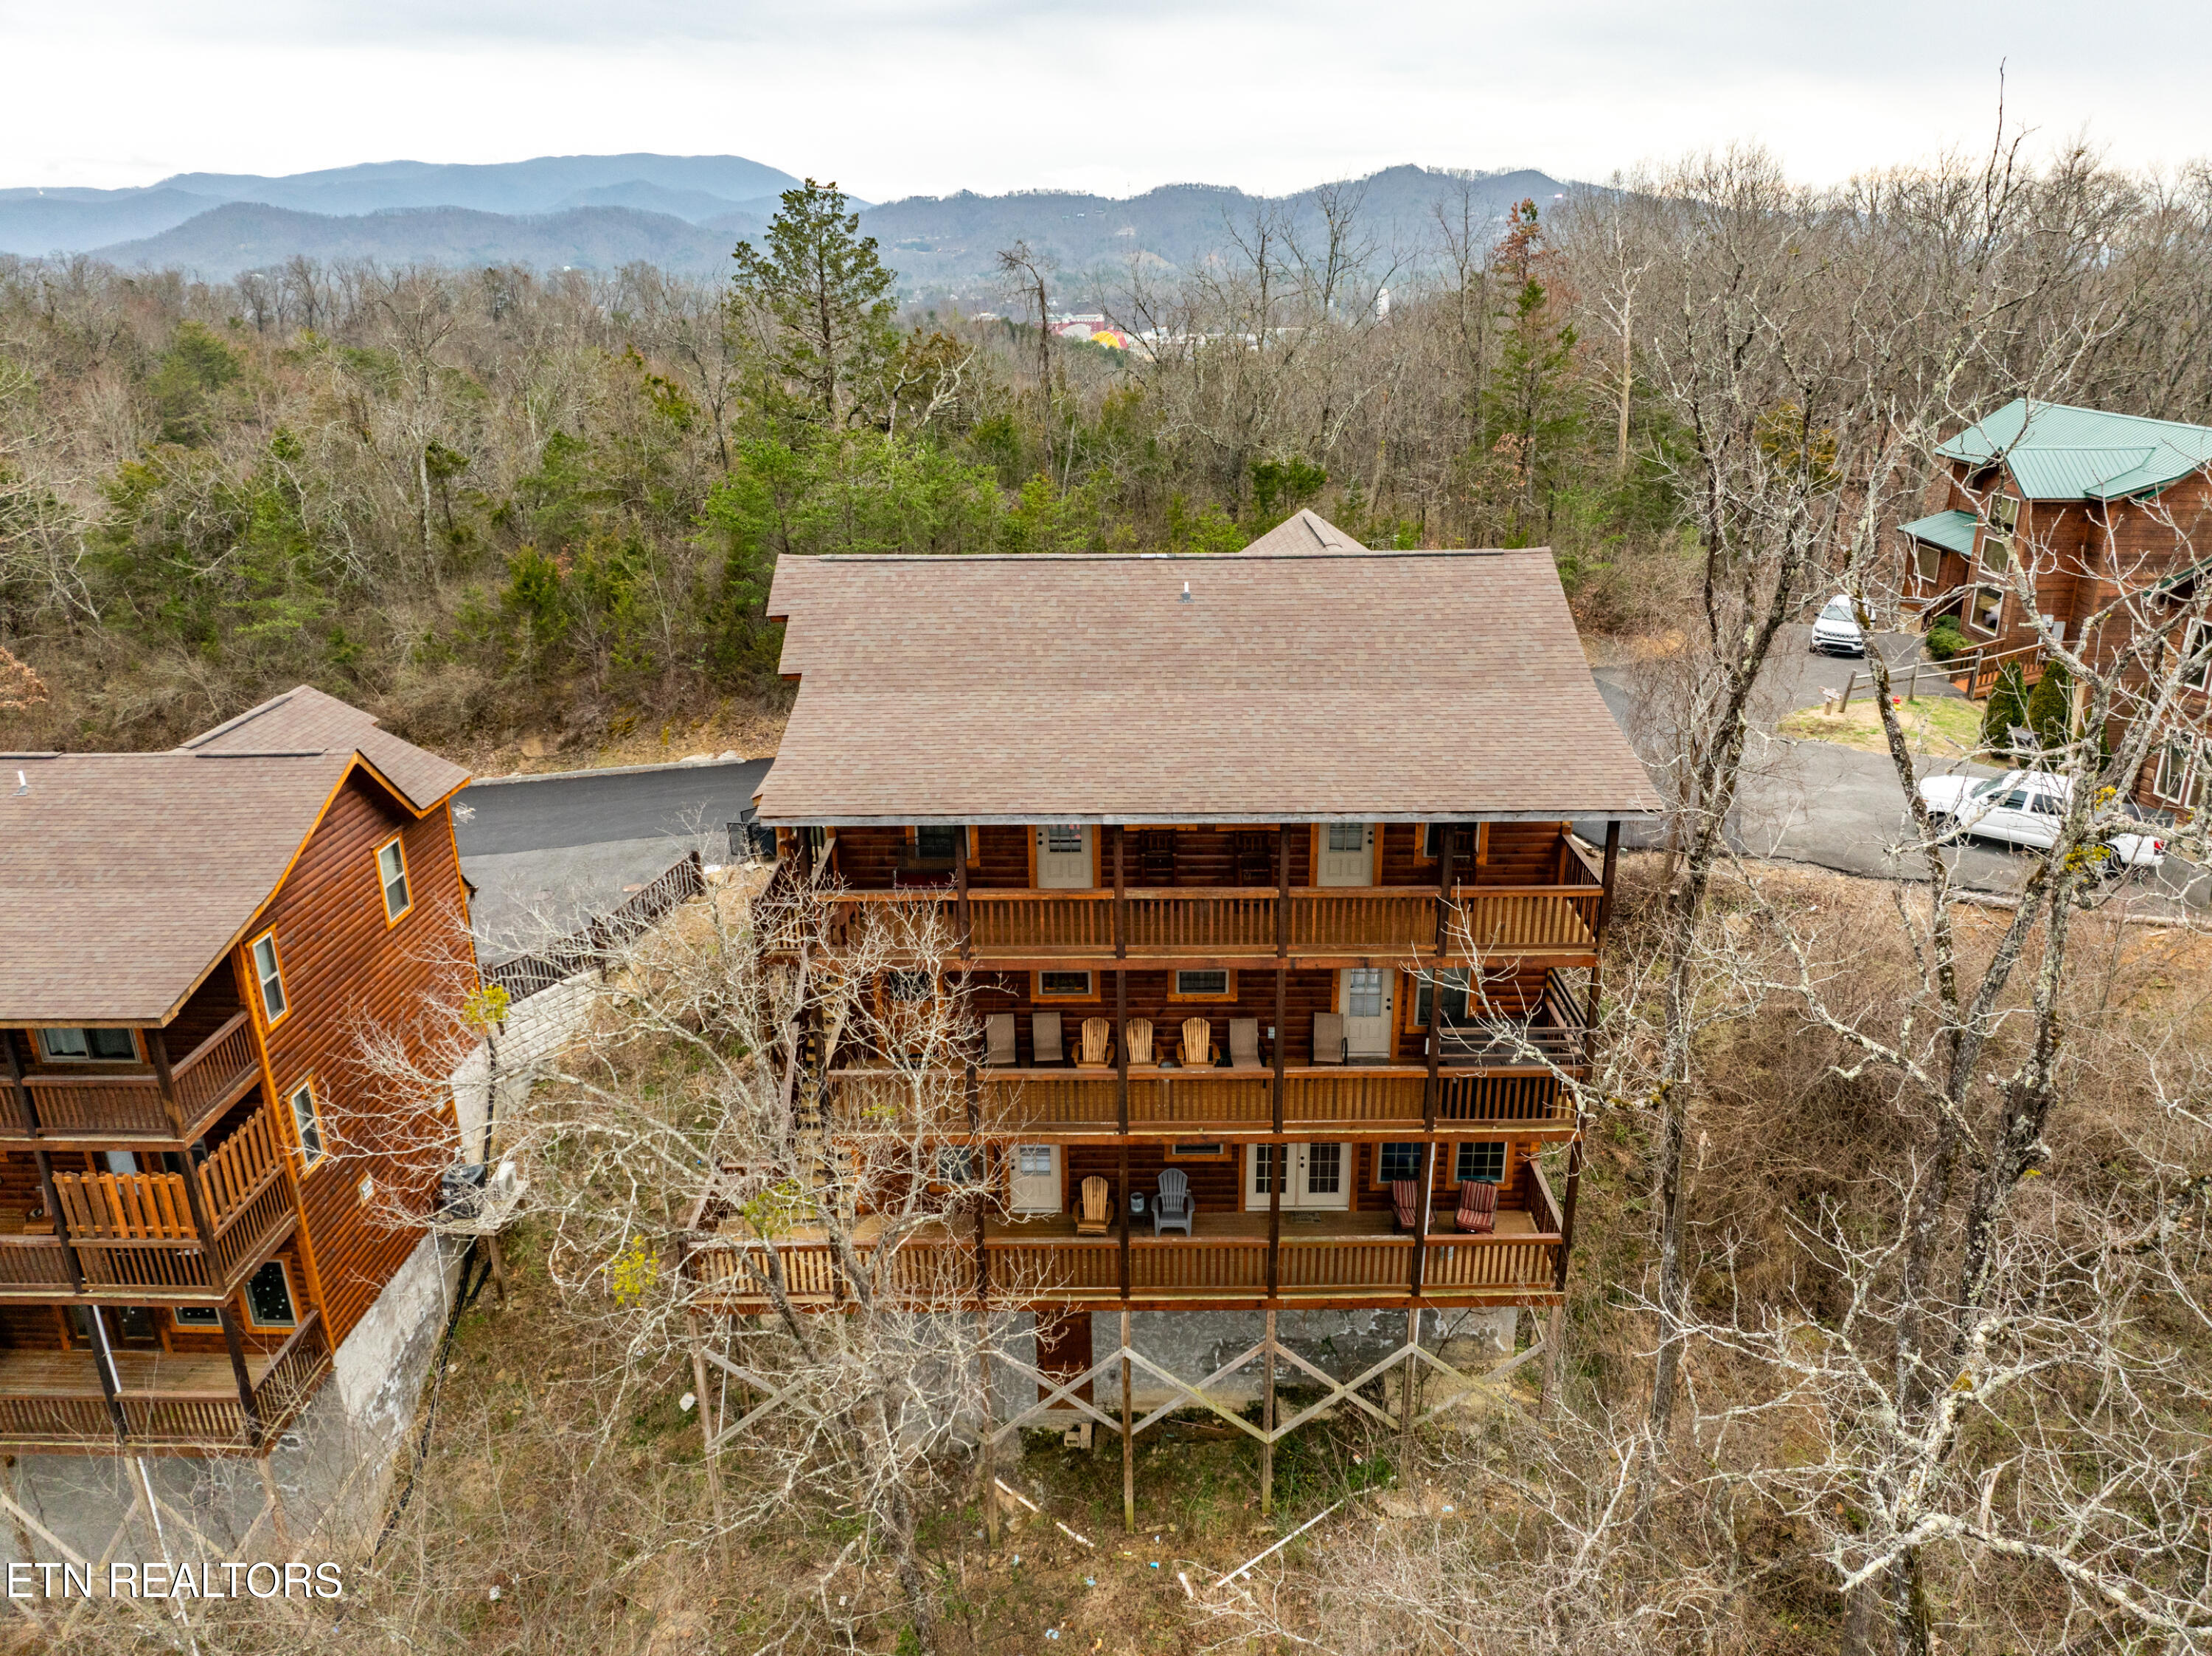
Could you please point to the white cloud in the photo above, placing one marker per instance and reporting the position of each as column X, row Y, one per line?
column 935, row 95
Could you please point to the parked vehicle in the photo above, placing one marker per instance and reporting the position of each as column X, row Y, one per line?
column 1835, row 630
column 2023, row 808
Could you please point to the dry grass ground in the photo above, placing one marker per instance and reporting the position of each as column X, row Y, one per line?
column 1946, row 726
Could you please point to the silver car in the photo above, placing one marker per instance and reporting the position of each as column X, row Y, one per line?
column 1836, row 629
column 2023, row 808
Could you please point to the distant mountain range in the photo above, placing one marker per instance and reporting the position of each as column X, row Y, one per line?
column 683, row 212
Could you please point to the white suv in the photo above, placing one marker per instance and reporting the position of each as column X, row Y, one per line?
column 2022, row 807
column 1836, row 629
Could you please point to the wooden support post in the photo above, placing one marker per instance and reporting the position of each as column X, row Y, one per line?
column 497, row 1256
column 1122, row 1049
column 1421, row 1218
column 1267, row 1425
column 982, row 1263
column 27, row 1107
column 1120, row 896
column 1282, row 969
column 707, row 1428
column 1450, row 837
column 1122, row 1199
column 1555, row 1328
column 1430, row 1085
column 987, row 1451
column 1408, row 1372
column 1279, row 1169
column 1850, row 684
column 1605, row 880
column 236, row 1347
column 960, row 891
column 1567, row 1205
column 1128, row 1437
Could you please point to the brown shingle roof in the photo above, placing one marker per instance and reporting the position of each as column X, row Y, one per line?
column 1305, row 531
column 1377, row 686
column 124, row 877
column 305, row 720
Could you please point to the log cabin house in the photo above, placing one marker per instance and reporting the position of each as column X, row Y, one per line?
column 1306, row 812
column 2096, row 507
column 196, row 1194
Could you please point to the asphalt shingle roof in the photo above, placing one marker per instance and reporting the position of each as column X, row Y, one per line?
column 1374, row 686
column 124, row 877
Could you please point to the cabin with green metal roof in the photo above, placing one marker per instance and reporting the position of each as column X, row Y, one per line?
column 2094, row 506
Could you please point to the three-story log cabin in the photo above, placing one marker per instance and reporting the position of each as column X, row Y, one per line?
column 1263, row 873
column 196, row 1184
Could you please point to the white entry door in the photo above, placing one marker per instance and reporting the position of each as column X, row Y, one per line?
column 1364, row 995
column 1317, row 1176
column 1347, row 853
column 1036, row 1179
column 1063, row 857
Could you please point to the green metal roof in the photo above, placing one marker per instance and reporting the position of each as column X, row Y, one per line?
column 1952, row 531
column 2056, row 452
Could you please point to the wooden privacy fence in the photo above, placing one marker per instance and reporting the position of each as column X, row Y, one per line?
column 591, row 948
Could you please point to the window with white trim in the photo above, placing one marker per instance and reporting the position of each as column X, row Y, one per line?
column 1985, row 608
column 269, row 1301
column 2196, row 654
column 269, row 974
column 1347, row 836
column 1997, row 540
column 391, row 874
column 1063, row 985
column 1207, row 983
column 307, row 1121
column 2181, row 774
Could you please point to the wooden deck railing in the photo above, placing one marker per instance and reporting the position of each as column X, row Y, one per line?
column 1314, row 1099
column 70, row 1103
column 33, row 1263
column 1064, row 1271
column 1368, row 920
column 136, row 1229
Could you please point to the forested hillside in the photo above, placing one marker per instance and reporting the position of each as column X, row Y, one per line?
column 484, row 501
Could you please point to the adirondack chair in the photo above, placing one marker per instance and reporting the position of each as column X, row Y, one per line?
column 1044, row 1039
column 1478, row 1208
column 1097, row 1043
column 1137, row 1032
column 1174, row 1209
column 1328, row 1038
column 1244, row 1044
column 1405, row 1203
column 1197, row 1044
column 1093, row 1221
column 999, row 1039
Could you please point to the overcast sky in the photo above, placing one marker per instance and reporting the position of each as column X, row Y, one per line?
column 930, row 96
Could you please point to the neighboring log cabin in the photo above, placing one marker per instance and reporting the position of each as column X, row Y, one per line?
column 1265, row 878
column 197, row 1190
column 2095, row 507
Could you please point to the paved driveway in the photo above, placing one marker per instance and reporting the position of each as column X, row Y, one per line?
column 548, row 852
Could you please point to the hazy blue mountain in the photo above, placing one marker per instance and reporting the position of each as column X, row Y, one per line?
column 248, row 236
column 39, row 222
column 695, row 205
column 947, row 240
column 541, row 186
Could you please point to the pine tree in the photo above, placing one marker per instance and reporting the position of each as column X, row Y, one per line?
column 2050, row 708
column 827, row 294
column 2008, row 707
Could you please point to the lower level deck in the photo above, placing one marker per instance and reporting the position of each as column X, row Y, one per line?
column 1313, row 1261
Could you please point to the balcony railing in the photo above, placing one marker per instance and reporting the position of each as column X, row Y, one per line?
column 1367, row 921
column 1314, row 1099
column 86, row 1104
column 135, row 1230
column 54, row 1398
column 1039, row 1263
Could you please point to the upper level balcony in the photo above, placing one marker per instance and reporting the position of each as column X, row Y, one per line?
column 92, row 1101
column 1044, row 896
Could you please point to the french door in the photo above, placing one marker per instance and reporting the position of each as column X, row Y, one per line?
column 1316, row 1176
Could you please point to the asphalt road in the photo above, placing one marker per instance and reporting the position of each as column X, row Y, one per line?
column 548, row 853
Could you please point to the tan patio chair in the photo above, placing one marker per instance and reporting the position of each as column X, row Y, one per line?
column 1197, row 1043
column 999, row 1039
column 1045, row 1046
column 1328, row 1038
column 1097, row 1043
column 1139, row 1034
column 1093, row 1221
column 1244, row 1044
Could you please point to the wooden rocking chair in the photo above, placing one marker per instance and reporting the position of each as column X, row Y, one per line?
column 1097, row 1043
